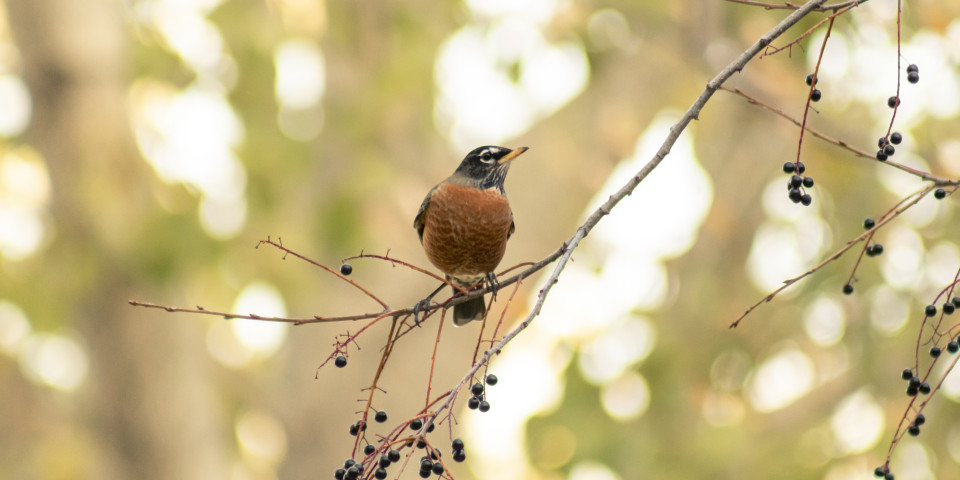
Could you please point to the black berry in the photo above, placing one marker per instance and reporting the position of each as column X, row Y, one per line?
column 930, row 310
column 354, row 429
column 369, row 449
column 868, row 223
column 794, row 195
column 892, row 102
column 421, row 444
column 457, row 444
column 847, row 289
column 426, row 464
column 349, row 463
column 789, row 167
column 953, row 346
column 939, row 194
column 352, row 473
column 431, row 427
column 380, row 417
column 394, row 455
column 956, row 302
column 811, row 81
column 384, row 461
column 473, row 403
column 338, row 475
column 914, row 382
column 948, row 308
column 913, row 68
column 906, row 374
column 425, row 473
column 801, row 168
column 346, row 269
column 416, row 424
column 888, row 476
column 808, row 182
column 484, row 406
column 882, row 142
column 477, row 389
column 881, row 156
column 920, row 420
column 934, row 352
column 340, row 361
column 889, row 150
column 492, row 379
column 806, row 199
column 912, row 390
column 380, row 473
column 438, row 468
column 896, row 138
column 459, row 455
column 913, row 430
column 815, row 95
column 913, row 77
column 878, row 472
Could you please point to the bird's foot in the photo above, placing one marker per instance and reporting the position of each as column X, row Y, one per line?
column 491, row 279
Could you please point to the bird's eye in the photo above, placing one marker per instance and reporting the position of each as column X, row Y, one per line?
column 486, row 156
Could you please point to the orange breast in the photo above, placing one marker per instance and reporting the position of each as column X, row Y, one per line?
column 466, row 229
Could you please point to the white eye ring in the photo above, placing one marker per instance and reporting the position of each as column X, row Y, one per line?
column 486, row 157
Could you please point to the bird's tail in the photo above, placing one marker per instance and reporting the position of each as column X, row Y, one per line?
column 466, row 312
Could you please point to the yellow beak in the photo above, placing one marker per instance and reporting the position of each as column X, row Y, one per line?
column 513, row 154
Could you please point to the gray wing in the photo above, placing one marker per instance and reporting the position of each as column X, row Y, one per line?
column 419, row 222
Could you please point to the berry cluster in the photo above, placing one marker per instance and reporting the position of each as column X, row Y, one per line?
column 883, row 472
column 478, row 401
column 430, row 465
column 872, row 250
column 913, row 73
column 886, row 145
column 815, row 95
column 797, row 185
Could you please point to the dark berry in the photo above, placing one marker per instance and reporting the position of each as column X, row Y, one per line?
column 913, row 77
column 340, row 361
column 882, row 142
column 868, row 223
column 431, row 427
column 878, row 472
column 425, row 473
column 352, row 473
column 801, row 168
column 888, row 476
column 930, row 310
column 346, row 269
column 354, row 429
column 435, row 454
column 811, row 81
column 847, row 289
column 484, row 406
column 953, row 346
column 789, row 167
column 889, row 150
column 459, row 455
column 913, row 430
column 369, row 449
column 913, row 68
column 394, row 455
column 796, row 181
column 349, row 463
column 457, row 444
column 473, row 403
column 896, row 138
column 426, row 464
column 920, row 420
column 477, row 389
column 815, row 95
column 795, row 195
column 948, row 308
column 906, row 374
column 915, row 382
column 421, row 444
column 934, row 352
column 384, row 461
column 380, row 417
column 492, row 379
column 338, row 475
column 806, row 199
column 416, row 424
column 874, row 250
column 912, row 391
column 881, row 156
column 892, row 102
column 939, row 194
column 438, row 468
column 380, row 473
column 808, row 182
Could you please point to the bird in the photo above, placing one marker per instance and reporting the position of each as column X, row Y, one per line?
column 465, row 221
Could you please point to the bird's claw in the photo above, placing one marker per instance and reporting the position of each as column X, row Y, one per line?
column 491, row 279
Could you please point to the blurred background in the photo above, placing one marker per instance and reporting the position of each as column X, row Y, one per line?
column 146, row 146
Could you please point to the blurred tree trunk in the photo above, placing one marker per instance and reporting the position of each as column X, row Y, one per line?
column 145, row 400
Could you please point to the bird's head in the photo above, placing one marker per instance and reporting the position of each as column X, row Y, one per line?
column 486, row 167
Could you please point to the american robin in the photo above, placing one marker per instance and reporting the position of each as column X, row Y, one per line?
column 465, row 221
